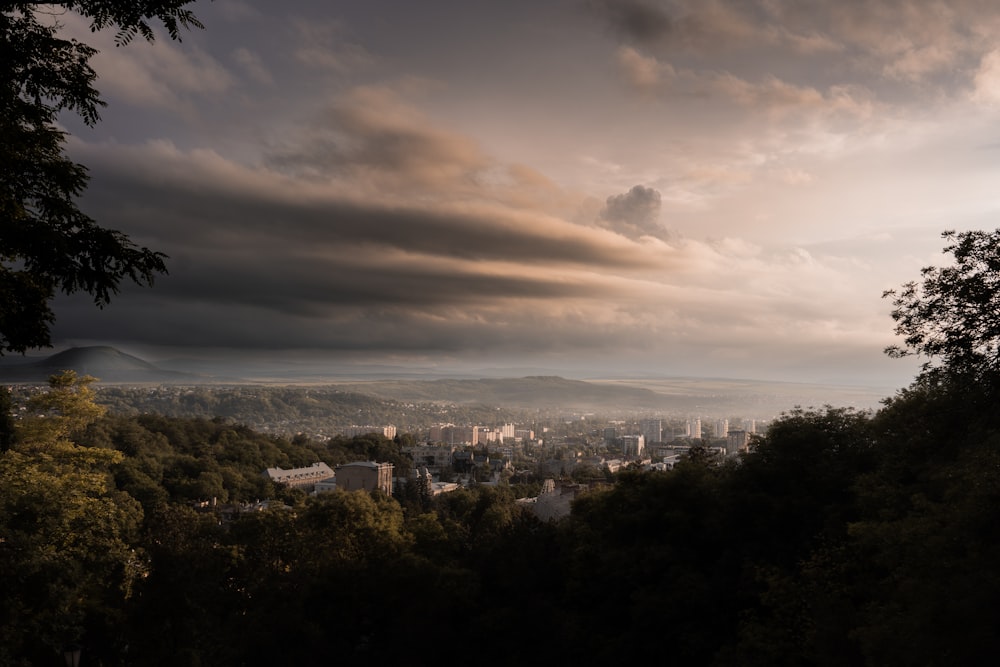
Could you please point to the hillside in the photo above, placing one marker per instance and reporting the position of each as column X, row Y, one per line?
column 530, row 392
column 108, row 364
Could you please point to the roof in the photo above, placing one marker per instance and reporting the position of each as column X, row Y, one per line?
column 316, row 471
column 364, row 464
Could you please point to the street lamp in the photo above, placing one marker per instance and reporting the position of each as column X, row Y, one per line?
column 71, row 653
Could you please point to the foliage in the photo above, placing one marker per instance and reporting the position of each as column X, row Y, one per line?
column 56, row 416
column 68, row 559
column 953, row 314
column 46, row 242
column 841, row 538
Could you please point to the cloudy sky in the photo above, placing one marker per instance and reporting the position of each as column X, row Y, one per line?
column 683, row 187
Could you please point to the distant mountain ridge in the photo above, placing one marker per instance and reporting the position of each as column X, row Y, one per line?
column 526, row 392
column 692, row 396
column 104, row 362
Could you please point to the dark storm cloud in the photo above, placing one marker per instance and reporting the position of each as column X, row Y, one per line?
column 634, row 214
column 259, row 260
column 314, row 287
column 149, row 319
column 192, row 214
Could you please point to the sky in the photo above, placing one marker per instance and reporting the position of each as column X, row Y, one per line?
column 720, row 188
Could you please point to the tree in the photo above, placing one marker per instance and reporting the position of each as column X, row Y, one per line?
column 55, row 417
column 46, row 242
column 67, row 560
column 953, row 315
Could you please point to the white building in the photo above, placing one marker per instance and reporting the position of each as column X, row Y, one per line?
column 507, row 431
column 300, row 478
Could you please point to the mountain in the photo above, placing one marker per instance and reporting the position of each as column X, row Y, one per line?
column 107, row 364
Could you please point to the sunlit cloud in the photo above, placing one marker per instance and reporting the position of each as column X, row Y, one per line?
column 714, row 184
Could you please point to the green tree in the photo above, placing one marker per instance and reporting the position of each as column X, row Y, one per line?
column 67, row 556
column 59, row 415
column 46, row 242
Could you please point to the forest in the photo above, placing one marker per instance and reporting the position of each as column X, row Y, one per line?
column 842, row 538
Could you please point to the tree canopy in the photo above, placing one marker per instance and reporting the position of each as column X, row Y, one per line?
column 952, row 317
column 47, row 243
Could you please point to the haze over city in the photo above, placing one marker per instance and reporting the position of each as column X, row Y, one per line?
column 719, row 189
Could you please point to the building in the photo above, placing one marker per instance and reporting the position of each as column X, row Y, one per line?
column 553, row 502
column 431, row 456
column 463, row 461
column 524, row 434
column 652, row 430
column 486, row 435
column 365, row 476
column 737, row 441
column 354, row 431
column 633, row 445
column 300, row 478
column 450, row 434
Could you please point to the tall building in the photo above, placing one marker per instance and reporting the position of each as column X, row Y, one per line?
column 507, row 431
column 652, row 430
column 694, row 428
column 633, row 445
column 737, row 441
column 721, row 428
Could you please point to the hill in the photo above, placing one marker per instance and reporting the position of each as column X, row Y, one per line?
column 106, row 363
column 705, row 396
column 527, row 392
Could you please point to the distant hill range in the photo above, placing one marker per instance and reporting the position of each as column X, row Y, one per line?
column 105, row 363
column 694, row 396
column 527, row 392
column 544, row 392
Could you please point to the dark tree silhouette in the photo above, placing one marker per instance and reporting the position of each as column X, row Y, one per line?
column 46, row 242
column 952, row 317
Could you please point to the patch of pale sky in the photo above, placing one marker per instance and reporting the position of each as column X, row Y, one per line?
column 252, row 65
